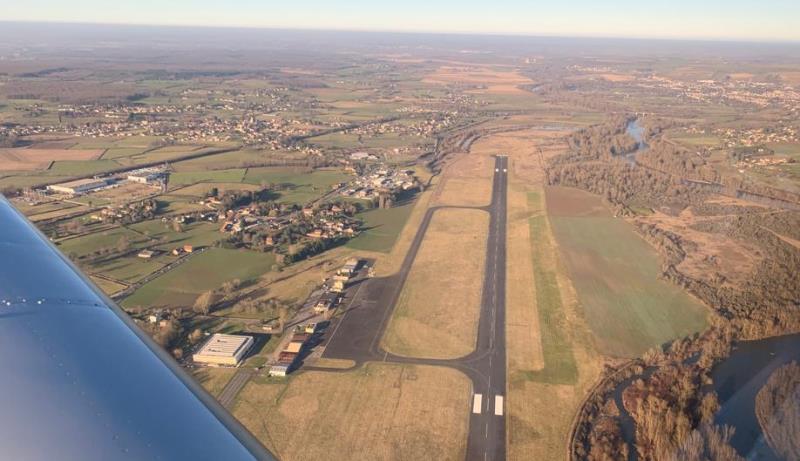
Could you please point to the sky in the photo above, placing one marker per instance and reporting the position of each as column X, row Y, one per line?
column 760, row 20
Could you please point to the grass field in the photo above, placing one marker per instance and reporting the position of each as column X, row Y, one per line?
column 121, row 152
column 615, row 273
column 192, row 177
column 130, row 268
column 229, row 160
column 201, row 189
column 559, row 360
column 82, row 246
column 108, row 287
column 80, row 168
column 163, row 154
column 438, row 310
column 213, row 379
column 198, row 234
column 307, row 186
column 383, row 226
column 202, row 272
column 692, row 139
column 382, row 411
column 344, row 141
column 302, row 186
column 468, row 182
column 524, row 352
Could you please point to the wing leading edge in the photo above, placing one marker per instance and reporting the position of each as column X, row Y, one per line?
column 80, row 381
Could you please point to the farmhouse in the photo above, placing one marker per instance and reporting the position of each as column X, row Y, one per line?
column 223, row 349
column 79, row 186
column 146, row 254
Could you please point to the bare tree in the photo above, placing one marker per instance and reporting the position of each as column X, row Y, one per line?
column 204, row 302
column 283, row 315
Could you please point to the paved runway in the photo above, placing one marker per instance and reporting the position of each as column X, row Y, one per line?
column 357, row 336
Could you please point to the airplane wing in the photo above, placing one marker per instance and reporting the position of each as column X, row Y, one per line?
column 80, row 381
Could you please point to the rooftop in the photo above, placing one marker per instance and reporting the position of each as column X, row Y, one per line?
column 80, row 182
column 221, row 345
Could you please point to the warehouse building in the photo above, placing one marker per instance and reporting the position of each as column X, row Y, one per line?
column 223, row 349
column 146, row 175
column 79, row 186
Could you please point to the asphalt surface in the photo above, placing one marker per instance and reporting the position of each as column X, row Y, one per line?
column 357, row 335
column 234, row 386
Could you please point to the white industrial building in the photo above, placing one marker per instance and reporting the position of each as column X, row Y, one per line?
column 223, row 349
column 146, row 175
column 79, row 186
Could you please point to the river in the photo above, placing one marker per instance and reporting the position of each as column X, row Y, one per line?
column 737, row 381
column 635, row 130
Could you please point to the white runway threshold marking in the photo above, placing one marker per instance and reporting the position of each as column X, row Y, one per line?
column 477, row 403
column 498, row 405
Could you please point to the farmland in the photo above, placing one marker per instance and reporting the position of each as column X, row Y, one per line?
column 616, row 276
column 40, row 159
column 295, row 186
column 181, row 286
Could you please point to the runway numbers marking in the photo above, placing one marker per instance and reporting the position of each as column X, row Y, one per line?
column 477, row 403
column 498, row 405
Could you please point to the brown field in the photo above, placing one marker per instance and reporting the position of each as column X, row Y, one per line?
column 379, row 412
column 733, row 258
column 339, row 364
column 522, row 319
column 52, row 144
column 791, row 77
column 466, row 192
column 467, row 182
column 26, row 159
column 521, row 147
column 741, row 76
column 124, row 193
column 494, row 81
column 437, row 313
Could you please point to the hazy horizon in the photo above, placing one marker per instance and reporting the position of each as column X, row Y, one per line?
column 736, row 20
